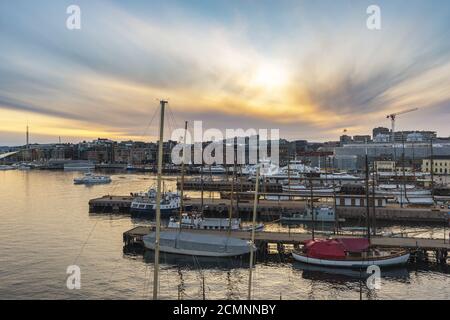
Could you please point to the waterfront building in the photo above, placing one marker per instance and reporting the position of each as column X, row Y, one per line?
column 440, row 165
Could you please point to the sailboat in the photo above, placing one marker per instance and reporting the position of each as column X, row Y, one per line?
column 185, row 242
column 349, row 252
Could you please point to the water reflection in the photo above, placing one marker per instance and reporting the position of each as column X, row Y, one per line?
column 341, row 275
column 197, row 263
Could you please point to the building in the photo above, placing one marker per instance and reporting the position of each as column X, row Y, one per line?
column 384, row 166
column 413, row 136
column 345, row 162
column 345, row 139
column 392, row 167
column 382, row 138
column 440, row 165
column 362, row 139
column 380, row 131
column 387, row 151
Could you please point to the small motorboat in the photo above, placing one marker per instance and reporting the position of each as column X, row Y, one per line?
column 89, row 178
column 348, row 253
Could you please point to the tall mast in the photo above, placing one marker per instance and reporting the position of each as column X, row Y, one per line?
column 367, row 197
column 158, row 201
column 255, row 205
column 231, row 194
column 336, row 217
column 28, row 138
column 404, row 175
column 374, row 218
column 182, row 173
column 202, row 187
column 312, row 207
column 432, row 167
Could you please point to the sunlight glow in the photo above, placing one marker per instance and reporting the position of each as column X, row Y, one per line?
column 270, row 76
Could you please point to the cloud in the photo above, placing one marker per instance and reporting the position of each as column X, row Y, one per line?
column 305, row 74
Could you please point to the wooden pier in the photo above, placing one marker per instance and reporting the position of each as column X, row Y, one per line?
column 111, row 204
column 225, row 185
column 262, row 240
column 272, row 210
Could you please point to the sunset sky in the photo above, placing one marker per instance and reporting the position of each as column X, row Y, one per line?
column 309, row 68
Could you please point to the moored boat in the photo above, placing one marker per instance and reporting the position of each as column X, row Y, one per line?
column 197, row 221
column 202, row 245
column 321, row 214
column 348, row 253
column 5, row 167
column 90, row 178
column 300, row 188
column 145, row 203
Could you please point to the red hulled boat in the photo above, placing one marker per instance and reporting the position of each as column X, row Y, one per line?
column 349, row 253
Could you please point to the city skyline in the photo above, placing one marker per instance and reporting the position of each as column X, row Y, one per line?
column 311, row 69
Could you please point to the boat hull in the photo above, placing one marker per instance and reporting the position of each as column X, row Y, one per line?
column 202, row 245
column 166, row 213
column 187, row 252
column 386, row 262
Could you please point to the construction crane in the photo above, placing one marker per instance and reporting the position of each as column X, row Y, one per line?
column 393, row 116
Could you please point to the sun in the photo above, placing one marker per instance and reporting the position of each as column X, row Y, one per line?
column 270, row 76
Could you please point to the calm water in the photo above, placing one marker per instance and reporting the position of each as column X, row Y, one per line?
column 45, row 227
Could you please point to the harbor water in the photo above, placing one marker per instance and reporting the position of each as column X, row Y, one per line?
column 45, row 227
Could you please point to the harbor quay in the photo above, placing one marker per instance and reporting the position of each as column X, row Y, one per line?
column 269, row 210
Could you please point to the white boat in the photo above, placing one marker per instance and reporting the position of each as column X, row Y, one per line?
column 298, row 167
column 202, row 245
column 5, row 167
column 300, row 188
column 218, row 169
column 419, row 200
column 339, row 176
column 408, row 194
column 348, row 253
column 266, row 167
column 400, row 191
column 197, row 221
column 90, row 178
column 145, row 203
column 321, row 214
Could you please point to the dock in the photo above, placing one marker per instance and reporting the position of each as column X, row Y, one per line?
column 272, row 210
column 226, row 185
column 423, row 246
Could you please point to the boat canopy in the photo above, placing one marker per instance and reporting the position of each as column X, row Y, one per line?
column 334, row 248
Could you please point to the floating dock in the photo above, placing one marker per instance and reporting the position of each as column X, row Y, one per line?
column 272, row 210
column 225, row 185
column 439, row 247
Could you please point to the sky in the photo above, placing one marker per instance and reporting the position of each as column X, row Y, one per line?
column 308, row 68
